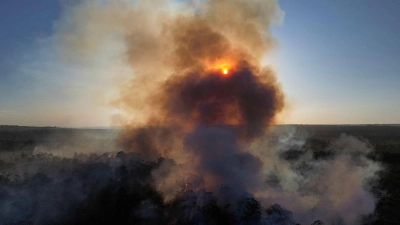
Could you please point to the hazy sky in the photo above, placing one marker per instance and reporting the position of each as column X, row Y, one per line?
column 338, row 62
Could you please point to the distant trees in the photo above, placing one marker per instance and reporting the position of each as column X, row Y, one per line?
column 96, row 189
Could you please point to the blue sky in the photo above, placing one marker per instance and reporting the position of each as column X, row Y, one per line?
column 338, row 62
column 22, row 25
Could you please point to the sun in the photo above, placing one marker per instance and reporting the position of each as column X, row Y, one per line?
column 222, row 68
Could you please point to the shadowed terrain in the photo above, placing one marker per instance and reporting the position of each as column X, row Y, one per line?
column 104, row 185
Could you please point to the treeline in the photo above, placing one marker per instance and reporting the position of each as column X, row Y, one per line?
column 44, row 189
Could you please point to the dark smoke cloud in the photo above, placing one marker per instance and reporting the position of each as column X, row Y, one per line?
column 211, row 99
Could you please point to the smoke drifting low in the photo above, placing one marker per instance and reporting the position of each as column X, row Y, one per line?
column 279, row 180
column 198, row 113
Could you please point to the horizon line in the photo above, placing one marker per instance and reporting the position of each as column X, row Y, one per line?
column 291, row 124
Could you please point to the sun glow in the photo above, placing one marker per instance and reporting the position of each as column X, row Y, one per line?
column 222, row 67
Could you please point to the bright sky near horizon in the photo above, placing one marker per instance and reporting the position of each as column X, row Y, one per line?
column 338, row 63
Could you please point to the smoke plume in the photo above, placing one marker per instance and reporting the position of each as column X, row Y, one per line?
column 206, row 79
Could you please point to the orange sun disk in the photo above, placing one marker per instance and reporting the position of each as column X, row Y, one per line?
column 222, row 68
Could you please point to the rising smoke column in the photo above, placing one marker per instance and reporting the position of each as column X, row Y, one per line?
column 216, row 80
column 187, row 85
column 164, row 38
